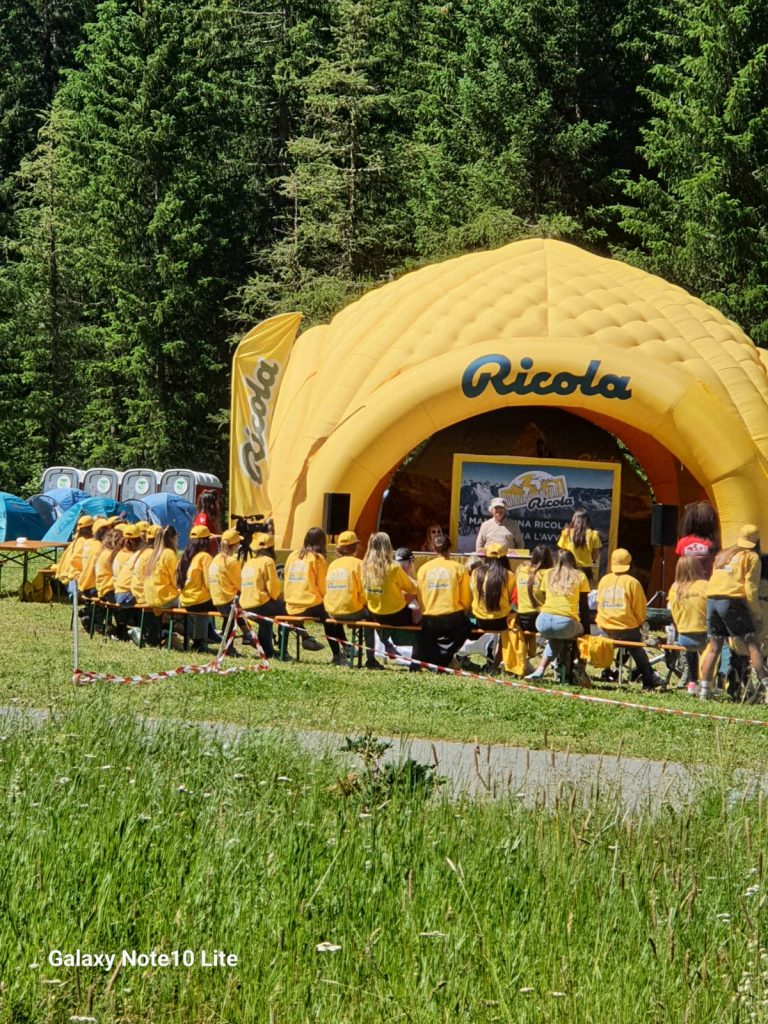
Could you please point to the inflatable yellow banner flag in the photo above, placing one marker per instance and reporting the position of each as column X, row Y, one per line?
column 257, row 369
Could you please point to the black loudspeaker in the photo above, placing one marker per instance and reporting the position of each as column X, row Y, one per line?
column 664, row 525
column 335, row 513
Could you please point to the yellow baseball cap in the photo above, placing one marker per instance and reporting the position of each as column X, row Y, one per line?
column 131, row 531
column 231, row 537
column 84, row 521
column 265, row 540
column 199, row 532
column 152, row 530
column 346, row 538
column 495, row 549
column 621, row 560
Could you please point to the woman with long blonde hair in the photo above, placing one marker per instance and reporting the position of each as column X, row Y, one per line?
column 160, row 588
column 563, row 593
column 387, row 587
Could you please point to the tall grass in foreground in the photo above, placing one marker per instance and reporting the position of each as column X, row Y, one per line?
column 116, row 837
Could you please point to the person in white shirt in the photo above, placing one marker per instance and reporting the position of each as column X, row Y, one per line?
column 498, row 529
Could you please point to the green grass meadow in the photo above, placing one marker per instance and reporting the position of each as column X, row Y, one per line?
column 348, row 894
column 118, row 836
column 36, row 670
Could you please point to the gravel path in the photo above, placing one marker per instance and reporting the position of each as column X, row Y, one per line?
column 536, row 777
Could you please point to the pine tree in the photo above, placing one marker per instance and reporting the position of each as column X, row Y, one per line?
column 699, row 216
column 335, row 235
column 509, row 140
column 38, row 40
column 164, row 158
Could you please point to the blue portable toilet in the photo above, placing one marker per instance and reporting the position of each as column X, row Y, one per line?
column 19, row 519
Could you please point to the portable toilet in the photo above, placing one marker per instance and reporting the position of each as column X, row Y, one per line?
column 138, row 483
column 102, row 483
column 61, row 477
column 188, row 484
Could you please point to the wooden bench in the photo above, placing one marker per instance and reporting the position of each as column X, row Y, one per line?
column 172, row 614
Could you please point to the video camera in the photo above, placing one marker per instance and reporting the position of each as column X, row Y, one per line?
column 249, row 527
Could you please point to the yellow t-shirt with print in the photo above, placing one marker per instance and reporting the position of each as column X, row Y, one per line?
column 689, row 609
column 304, row 581
column 122, row 571
column 259, row 582
column 387, row 598
column 566, row 604
column 160, row 585
column 587, row 553
column 479, row 608
column 343, row 587
column 196, row 589
column 224, row 578
column 443, row 587
column 621, row 602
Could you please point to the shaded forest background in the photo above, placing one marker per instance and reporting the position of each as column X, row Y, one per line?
column 173, row 171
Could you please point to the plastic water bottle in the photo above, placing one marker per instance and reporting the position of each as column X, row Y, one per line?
column 671, row 634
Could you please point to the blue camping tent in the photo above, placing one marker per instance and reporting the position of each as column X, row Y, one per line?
column 19, row 519
column 167, row 509
column 66, row 497
column 52, row 504
column 64, row 527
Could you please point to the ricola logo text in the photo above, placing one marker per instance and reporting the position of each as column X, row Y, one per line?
column 496, row 371
column 253, row 451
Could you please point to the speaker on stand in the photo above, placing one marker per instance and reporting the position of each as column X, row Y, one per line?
column 663, row 534
column 335, row 513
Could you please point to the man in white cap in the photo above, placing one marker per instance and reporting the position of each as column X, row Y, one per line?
column 498, row 529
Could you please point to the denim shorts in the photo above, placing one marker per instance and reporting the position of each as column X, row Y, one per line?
column 557, row 627
column 729, row 616
column 692, row 641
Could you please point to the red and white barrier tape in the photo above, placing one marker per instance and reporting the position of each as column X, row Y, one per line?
column 215, row 667
column 549, row 691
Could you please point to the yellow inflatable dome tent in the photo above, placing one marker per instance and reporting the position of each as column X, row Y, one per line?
column 537, row 323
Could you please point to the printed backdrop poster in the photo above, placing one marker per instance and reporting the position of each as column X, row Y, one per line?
column 540, row 494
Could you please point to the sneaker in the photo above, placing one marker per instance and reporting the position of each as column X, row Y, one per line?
column 656, row 683
column 230, row 652
column 692, row 688
column 373, row 666
column 134, row 633
column 533, row 676
column 310, row 644
column 340, row 660
column 705, row 693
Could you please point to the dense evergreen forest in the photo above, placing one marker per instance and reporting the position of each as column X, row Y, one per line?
column 173, row 171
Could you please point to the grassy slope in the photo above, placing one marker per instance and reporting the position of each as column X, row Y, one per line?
column 35, row 669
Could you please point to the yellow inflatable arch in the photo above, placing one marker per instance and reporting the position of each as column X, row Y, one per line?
column 535, row 323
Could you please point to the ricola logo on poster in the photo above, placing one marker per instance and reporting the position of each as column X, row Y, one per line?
column 536, row 489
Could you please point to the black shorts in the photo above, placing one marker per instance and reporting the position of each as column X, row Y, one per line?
column 729, row 616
